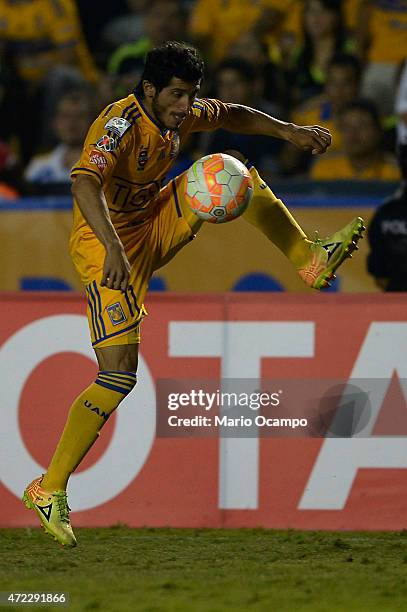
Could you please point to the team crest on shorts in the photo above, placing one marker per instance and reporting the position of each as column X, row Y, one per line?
column 116, row 314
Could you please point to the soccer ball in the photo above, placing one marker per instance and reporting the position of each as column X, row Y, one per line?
column 218, row 188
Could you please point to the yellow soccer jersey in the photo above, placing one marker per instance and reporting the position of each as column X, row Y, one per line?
column 224, row 21
column 388, row 29
column 37, row 29
column 336, row 167
column 318, row 111
column 130, row 154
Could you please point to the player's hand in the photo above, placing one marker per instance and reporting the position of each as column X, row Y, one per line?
column 312, row 138
column 116, row 269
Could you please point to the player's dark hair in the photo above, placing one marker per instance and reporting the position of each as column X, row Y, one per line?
column 346, row 60
column 172, row 59
column 244, row 68
column 365, row 106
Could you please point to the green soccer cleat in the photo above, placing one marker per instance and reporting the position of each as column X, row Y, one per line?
column 52, row 510
column 327, row 255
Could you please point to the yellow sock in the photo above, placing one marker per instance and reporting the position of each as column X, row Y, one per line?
column 274, row 220
column 87, row 415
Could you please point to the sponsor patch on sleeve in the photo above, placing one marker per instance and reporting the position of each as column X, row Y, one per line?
column 118, row 125
column 107, row 143
column 97, row 158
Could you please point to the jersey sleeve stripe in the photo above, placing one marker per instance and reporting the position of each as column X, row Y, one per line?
column 109, row 108
column 132, row 117
column 86, row 171
column 128, row 109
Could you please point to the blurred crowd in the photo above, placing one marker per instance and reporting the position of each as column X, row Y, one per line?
column 329, row 62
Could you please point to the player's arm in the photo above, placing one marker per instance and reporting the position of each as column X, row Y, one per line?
column 245, row 120
column 92, row 203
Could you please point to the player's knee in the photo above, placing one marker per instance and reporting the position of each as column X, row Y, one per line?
column 120, row 358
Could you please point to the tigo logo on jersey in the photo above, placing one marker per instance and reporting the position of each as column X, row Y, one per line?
column 116, row 314
column 98, row 159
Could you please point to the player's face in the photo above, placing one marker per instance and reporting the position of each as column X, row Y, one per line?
column 172, row 104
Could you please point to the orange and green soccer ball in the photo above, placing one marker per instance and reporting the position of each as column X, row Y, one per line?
column 218, row 188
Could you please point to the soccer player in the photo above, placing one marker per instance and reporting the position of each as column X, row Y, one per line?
column 126, row 226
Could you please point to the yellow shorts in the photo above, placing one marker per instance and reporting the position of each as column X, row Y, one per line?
column 114, row 316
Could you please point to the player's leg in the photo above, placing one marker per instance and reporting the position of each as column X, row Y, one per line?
column 114, row 320
column 117, row 376
column 316, row 260
column 87, row 415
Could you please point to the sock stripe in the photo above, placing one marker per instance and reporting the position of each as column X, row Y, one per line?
column 119, row 381
column 121, row 390
column 125, row 375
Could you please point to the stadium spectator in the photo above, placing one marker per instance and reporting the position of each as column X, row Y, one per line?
column 46, row 40
column 126, row 28
column 237, row 81
column 70, row 124
column 252, row 49
column 387, row 260
column 382, row 42
column 163, row 20
column 12, row 105
column 341, row 87
column 45, row 35
column 324, row 36
column 120, row 82
column 215, row 25
column 362, row 157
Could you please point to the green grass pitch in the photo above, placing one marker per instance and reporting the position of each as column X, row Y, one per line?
column 194, row 570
